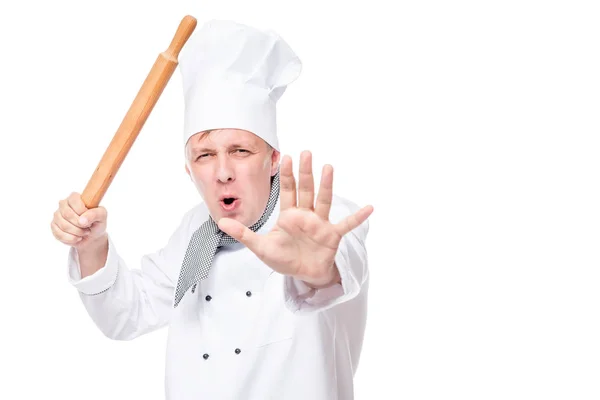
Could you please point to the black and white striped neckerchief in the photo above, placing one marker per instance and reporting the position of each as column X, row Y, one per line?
column 207, row 240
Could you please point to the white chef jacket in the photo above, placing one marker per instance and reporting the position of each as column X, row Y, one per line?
column 246, row 332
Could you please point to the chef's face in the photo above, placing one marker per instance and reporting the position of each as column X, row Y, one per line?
column 232, row 171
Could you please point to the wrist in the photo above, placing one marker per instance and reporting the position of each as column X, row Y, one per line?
column 93, row 255
column 332, row 278
column 93, row 245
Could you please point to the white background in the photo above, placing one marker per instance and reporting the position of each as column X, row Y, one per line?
column 471, row 127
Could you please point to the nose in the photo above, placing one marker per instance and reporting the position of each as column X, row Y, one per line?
column 224, row 170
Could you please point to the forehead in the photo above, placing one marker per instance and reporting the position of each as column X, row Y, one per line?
column 224, row 137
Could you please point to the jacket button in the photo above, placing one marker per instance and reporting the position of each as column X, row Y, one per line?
column 205, row 356
column 208, row 298
column 248, row 293
column 237, row 351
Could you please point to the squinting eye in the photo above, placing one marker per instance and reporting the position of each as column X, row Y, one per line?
column 242, row 150
column 201, row 156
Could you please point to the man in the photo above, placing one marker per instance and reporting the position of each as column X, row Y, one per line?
column 262, row 285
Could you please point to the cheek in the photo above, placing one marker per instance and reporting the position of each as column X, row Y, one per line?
column 200, row 179
column 267, row 163
column 258, row 166
column 252, row 173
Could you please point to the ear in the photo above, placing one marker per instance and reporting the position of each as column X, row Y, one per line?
column 275, row 155
column 186, row 156
column 187, row 171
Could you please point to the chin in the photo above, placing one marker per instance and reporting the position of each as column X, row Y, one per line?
column 234, row 215
column 237, row 215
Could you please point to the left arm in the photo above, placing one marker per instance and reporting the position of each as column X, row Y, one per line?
column 351, row 271
column 320, row 247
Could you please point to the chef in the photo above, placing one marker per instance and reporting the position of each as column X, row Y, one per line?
column 263, row 285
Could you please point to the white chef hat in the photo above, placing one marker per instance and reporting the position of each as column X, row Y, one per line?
column 233, row 75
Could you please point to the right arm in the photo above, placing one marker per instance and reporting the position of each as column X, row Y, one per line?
column 124, row 303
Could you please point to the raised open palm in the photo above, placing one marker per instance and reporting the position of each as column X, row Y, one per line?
column 303, row 243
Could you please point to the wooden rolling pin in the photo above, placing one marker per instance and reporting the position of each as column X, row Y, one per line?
column 136, row 116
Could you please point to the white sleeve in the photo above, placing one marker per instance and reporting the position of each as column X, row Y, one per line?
column 351, row 261
column 126, row 303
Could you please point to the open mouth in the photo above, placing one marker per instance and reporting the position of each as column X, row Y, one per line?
column 229, row 203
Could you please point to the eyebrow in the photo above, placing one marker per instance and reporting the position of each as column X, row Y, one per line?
column 231, row 147
column 201, row 149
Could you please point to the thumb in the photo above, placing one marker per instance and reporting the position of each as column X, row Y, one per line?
column 241, row 233
column 97, row 214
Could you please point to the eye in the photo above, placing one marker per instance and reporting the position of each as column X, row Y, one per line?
column 202, row 156
column 242, row 150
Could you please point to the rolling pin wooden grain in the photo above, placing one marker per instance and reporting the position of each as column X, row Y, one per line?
column 136, row 116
